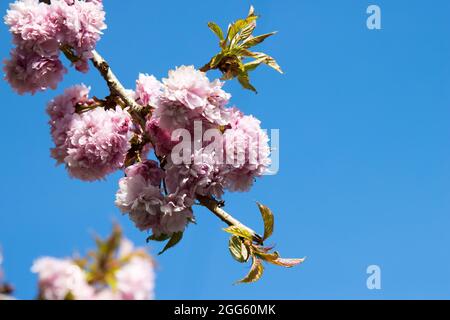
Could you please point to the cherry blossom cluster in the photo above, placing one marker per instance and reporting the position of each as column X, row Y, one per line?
column 221, row 149
column 40, row 30
column 92, row 144
column 66, row 279
column 159, row 196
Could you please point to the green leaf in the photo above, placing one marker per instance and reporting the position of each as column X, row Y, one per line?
column 253, row 41
column 70, row 296
column 250, row 66
column 216, row 29
column 269, row 257
column 111, row 280
column 268, row 219
column 244, row 80
column 176, row 237
column 247, row 53
column 262, row 249
column 81, row 262
column 159, row 238
column 288, row 263
column 238, row 249
column 245, row 33
column 259, row 58
column 102, row 247
column 240, row 232
column 236, row 27
column 242, row 28
column 273, row 64
column 233, row 29
column 255, row 273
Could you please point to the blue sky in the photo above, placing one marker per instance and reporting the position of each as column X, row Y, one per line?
column 365, row 151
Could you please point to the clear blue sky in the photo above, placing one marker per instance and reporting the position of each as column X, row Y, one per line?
column 365, row 151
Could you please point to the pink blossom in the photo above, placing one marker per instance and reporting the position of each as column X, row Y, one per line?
column 28, row 20
column 162, row 137
column 218, row 97
column 59, row 279
column 141, row 197
column 188, row 95
column 61, row 110
column 92, row 144
column 97, row 143
column 247, row 152
column 149, row 170
column 188, row 86
column 84, row 22
column 135, row 280
column 27, row 71
column 187, row 98
column 39, row 30
column 176, row 214
column 148, row 90
column 202, row 176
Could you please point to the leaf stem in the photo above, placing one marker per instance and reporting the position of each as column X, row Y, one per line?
column 215, row 207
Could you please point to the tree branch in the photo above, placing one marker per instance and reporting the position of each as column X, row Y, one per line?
column 215, row 207
column 114, row 85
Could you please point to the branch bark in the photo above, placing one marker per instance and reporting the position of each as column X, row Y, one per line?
column 114, row 85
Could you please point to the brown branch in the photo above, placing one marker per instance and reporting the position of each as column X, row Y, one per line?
column 215, row 207
column 114, row 85
column 6, row 289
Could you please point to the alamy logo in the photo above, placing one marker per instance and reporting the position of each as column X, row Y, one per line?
column 374, row 279
column 374, row 20
column 217, row 146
